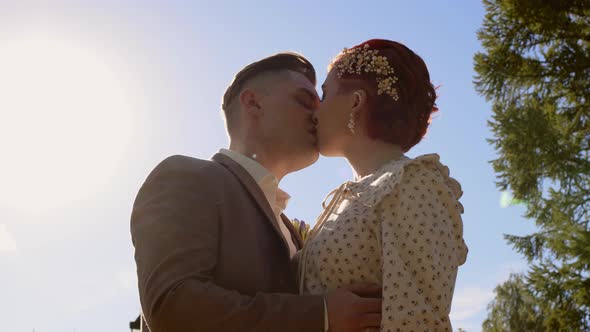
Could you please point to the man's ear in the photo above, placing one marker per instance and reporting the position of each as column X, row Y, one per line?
column 249, row 102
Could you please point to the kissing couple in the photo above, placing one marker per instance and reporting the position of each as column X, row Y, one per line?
column 214, row 251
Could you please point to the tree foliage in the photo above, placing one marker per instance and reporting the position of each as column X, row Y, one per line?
column 513, row 309
column 535, row 70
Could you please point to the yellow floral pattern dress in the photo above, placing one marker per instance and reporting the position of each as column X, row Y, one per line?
column 399, row 227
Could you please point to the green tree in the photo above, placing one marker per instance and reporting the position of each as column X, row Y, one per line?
column 513, row 309
column 535, row 69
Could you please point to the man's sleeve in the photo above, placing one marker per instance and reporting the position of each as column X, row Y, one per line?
column 175, row 231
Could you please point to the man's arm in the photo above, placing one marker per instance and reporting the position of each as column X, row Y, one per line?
column 175, row 231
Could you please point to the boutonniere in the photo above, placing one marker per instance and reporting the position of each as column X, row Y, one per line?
column 302, row 228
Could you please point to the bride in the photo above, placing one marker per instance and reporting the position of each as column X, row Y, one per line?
column 398, row 222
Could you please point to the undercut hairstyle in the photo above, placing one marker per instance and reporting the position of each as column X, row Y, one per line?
column 276, row 63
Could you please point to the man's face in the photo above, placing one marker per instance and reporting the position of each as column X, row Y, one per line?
column 287, row 127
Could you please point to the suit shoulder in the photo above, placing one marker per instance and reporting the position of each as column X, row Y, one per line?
column 180, row 161
column 180, row 168
column 186, row 164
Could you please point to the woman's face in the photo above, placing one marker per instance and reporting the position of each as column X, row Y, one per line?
column 332, row 117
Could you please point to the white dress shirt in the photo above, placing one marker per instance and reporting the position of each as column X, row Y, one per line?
column 277, row 198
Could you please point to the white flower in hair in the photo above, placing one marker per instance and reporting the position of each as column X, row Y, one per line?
column 363, row 59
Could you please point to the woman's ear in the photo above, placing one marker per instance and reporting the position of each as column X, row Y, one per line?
column 359, row 100
column 249, row 102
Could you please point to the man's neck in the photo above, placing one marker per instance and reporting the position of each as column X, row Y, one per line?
column 261, row 156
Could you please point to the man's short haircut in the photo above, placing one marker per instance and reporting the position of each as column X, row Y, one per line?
column 275, row 63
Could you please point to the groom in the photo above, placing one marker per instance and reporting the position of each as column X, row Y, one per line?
column 212, row 247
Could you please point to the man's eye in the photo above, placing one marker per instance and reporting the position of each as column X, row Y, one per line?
column 306, row 103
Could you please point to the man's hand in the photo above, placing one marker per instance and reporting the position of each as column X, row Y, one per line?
column 355, row 308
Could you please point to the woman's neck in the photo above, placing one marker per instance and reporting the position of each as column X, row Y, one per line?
column 366, row 156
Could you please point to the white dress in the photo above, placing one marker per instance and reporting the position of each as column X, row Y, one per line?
column 399, row 227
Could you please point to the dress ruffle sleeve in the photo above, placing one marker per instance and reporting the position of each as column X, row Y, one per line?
column 421, row 245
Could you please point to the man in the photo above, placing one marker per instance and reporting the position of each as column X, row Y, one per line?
column 212, row 247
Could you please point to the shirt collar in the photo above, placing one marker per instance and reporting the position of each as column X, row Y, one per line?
column 263, row 177
column 254, row 168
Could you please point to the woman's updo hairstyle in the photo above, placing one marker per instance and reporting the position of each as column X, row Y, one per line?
column 400, row 96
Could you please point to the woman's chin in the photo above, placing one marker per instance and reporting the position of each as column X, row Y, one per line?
column 330, row 146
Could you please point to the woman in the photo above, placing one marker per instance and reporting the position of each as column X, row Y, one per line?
column 398, row 223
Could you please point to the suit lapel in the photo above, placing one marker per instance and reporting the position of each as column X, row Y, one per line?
column 254, row 190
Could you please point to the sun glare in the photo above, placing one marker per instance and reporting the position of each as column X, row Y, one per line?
column 66, row 119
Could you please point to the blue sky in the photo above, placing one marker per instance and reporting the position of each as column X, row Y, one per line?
column 98, row 92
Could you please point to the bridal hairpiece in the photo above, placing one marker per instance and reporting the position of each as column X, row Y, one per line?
column 362, row 59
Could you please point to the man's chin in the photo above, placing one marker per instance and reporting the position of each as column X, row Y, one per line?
column 313, row 156
column 309, row 158
column 316, row 156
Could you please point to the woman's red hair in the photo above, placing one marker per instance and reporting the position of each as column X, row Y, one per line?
column 403, row 122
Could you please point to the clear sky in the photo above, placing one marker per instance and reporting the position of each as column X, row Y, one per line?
column 93, row 94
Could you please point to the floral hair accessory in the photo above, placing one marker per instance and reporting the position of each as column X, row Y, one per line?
column 364, row 60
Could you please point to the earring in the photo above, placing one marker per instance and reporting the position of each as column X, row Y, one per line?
column 351, row 123
column 254, row 156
